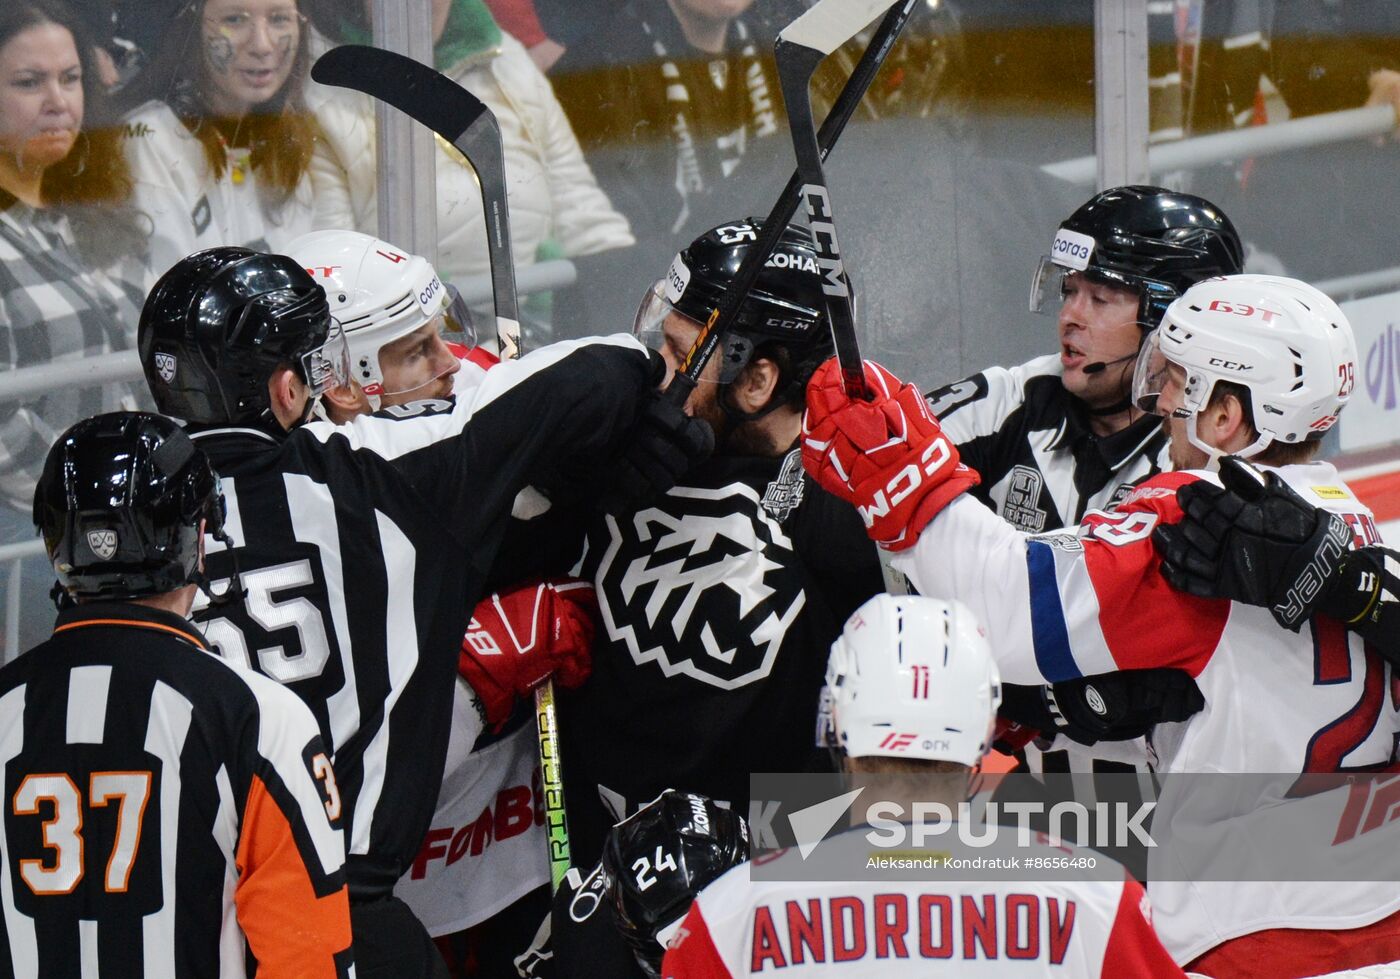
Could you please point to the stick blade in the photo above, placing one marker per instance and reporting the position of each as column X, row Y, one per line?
column 413, row 88
column 831, row 23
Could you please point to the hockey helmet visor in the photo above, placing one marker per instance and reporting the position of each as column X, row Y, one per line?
column 327, row 366
column 1153, row 377
column 649, row 327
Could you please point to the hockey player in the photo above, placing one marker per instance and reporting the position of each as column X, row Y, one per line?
column 1253, row 539
column 484, row 849
column 714, row 597
column 873, row 926
column 363, row 547
column 162, row 807
column 615, row 921
column 1257, row 366
column 395, row 312
column 1058, row 436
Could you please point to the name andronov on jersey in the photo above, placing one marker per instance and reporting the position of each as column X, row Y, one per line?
column 937, row 926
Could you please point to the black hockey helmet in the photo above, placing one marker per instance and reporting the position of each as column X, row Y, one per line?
column 119, row 505
column 1154, row 241
column 785, row 307
column 659, row 858
column 218, row 324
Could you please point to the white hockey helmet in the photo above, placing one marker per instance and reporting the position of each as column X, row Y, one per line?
column 911, row 677
column 378, row 293
column 1282, row 339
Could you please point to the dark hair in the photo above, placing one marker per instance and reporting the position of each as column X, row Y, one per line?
column 94, row 172
column 281, row 131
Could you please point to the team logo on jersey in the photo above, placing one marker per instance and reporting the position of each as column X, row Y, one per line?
column 784, row 494
column 706, row 587
column 165, row 367
column 103, row 543
column 1119, row 495
column 1022, row 507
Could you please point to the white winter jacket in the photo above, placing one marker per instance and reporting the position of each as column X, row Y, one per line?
column 188, row 208
column 552, row 192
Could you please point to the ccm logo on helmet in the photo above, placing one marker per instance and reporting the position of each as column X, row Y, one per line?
column 906, row 481
column 1230, row 365
column 323, row 271
column 777, row 323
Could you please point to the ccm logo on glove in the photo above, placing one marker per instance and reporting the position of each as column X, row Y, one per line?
column 906, row 481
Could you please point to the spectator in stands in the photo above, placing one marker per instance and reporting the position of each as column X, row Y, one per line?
column 1322, row 56
column 519, row 19
column 60, row 177
column 556, row 207
column 672, row 101
column 217, row 133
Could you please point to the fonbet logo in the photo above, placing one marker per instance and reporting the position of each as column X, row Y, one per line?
column 703, row 583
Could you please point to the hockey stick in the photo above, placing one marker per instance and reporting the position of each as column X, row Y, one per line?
column 464, row 121
column 830, row 24
column 459, row 117
column 800, row 48
column 798, row 52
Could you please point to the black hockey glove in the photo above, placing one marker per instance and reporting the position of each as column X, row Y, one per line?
column 1366, row 597
column 1106, row 707
column 1254, row 541
column 1121, row 706
column 665, row 444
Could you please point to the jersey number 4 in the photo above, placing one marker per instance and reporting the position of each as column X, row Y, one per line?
column 62, row 867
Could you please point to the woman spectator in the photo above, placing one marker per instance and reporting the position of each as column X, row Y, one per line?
column 555, row 204
column 217, row 132
column 62, row 178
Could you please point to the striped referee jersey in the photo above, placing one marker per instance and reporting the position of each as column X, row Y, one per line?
column 1029, row 438
column 362, row 549
column 166, row 815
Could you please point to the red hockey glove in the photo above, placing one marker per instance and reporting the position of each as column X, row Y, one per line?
column 518, row 639
column 888, row 456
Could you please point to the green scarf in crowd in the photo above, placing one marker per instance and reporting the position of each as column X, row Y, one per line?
column 470, row 29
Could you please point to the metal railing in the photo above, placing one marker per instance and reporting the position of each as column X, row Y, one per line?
column 1251, row 141
column 29, row 382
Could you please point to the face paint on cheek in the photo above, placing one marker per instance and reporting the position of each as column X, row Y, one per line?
column 286, row 49
column 218, row 51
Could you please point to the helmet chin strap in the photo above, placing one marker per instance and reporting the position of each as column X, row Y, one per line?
column 1214, row 453
column 234, row 591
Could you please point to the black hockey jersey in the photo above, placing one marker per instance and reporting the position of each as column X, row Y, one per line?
column 152, row 795
column 719, row 603
column 1029, row 438
column 363, row 548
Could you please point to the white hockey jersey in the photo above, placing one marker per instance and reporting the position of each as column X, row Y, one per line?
column 487, row 847
column 1011, row 929
column 1091, row 600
